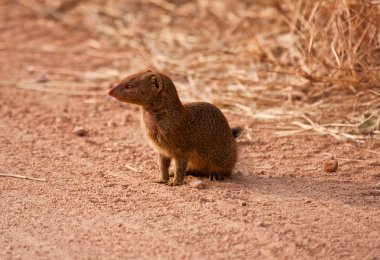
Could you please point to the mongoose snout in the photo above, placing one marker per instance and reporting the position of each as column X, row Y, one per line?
column 195, row 135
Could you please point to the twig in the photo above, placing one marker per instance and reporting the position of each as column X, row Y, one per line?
column 5, row 83
column 344, row 159
column 164, row 5
column 90, row 53
column 67, row 6
column 39, row 87
column 370, row 151
column 21, row 177
column 64, row 84
column 131, row 168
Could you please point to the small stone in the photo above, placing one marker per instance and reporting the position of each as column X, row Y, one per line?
column 42, row 79
column 58, row 120
column 225, row 239
column 61, row 119
column 197, row 184
column 31, row 69
column 79, row 131
column 127, row 118
column 330, row 165
column 244, row 203
column 307, row 201
column 111, row 124
column 260, row 224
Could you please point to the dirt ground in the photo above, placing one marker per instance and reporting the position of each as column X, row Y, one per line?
column 100, row 200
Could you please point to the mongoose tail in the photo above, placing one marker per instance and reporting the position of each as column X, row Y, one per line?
column 237, row 131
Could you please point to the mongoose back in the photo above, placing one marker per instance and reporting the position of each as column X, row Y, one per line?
column 195, row 135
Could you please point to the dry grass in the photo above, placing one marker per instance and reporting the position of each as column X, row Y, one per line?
column 306, row 65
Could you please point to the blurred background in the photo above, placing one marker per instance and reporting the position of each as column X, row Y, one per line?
column 304, row 65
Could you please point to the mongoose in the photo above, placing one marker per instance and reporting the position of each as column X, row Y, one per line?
column 196, row 135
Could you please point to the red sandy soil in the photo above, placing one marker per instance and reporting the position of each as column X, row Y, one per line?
column 278, row 204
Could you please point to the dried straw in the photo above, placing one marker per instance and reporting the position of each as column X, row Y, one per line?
column 312, row 64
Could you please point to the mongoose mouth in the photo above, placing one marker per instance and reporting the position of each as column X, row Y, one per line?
column 116, row 93
column 113, row 92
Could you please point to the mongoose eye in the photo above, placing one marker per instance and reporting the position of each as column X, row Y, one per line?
column 128, row 86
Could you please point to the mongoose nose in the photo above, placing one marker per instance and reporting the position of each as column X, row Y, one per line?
column 110, row 92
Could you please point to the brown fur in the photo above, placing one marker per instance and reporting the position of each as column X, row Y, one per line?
column 196, row 135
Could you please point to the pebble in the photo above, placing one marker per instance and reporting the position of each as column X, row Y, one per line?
column 61, row 119
column 79, row 131
column 330, row 165
column 58, row 120
column 111, row 124
column 197, row 184
column 244, row 203
column 260, row 224
column 42, row 79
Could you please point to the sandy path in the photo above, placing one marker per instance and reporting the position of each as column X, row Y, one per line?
column 279, row 203
column 92, row 206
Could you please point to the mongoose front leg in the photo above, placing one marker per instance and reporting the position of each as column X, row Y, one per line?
column 164, row 168
column 179, row 175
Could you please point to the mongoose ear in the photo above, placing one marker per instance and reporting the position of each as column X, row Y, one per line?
column 156, row 82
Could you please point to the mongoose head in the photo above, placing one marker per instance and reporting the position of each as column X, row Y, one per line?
column 145, row 89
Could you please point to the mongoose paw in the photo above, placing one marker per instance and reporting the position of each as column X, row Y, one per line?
column 161, row 181
column 175, row 183
column 216, row 176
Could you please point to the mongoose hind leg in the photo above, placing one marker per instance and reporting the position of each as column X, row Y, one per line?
column 164, row 169
column 179, row 175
